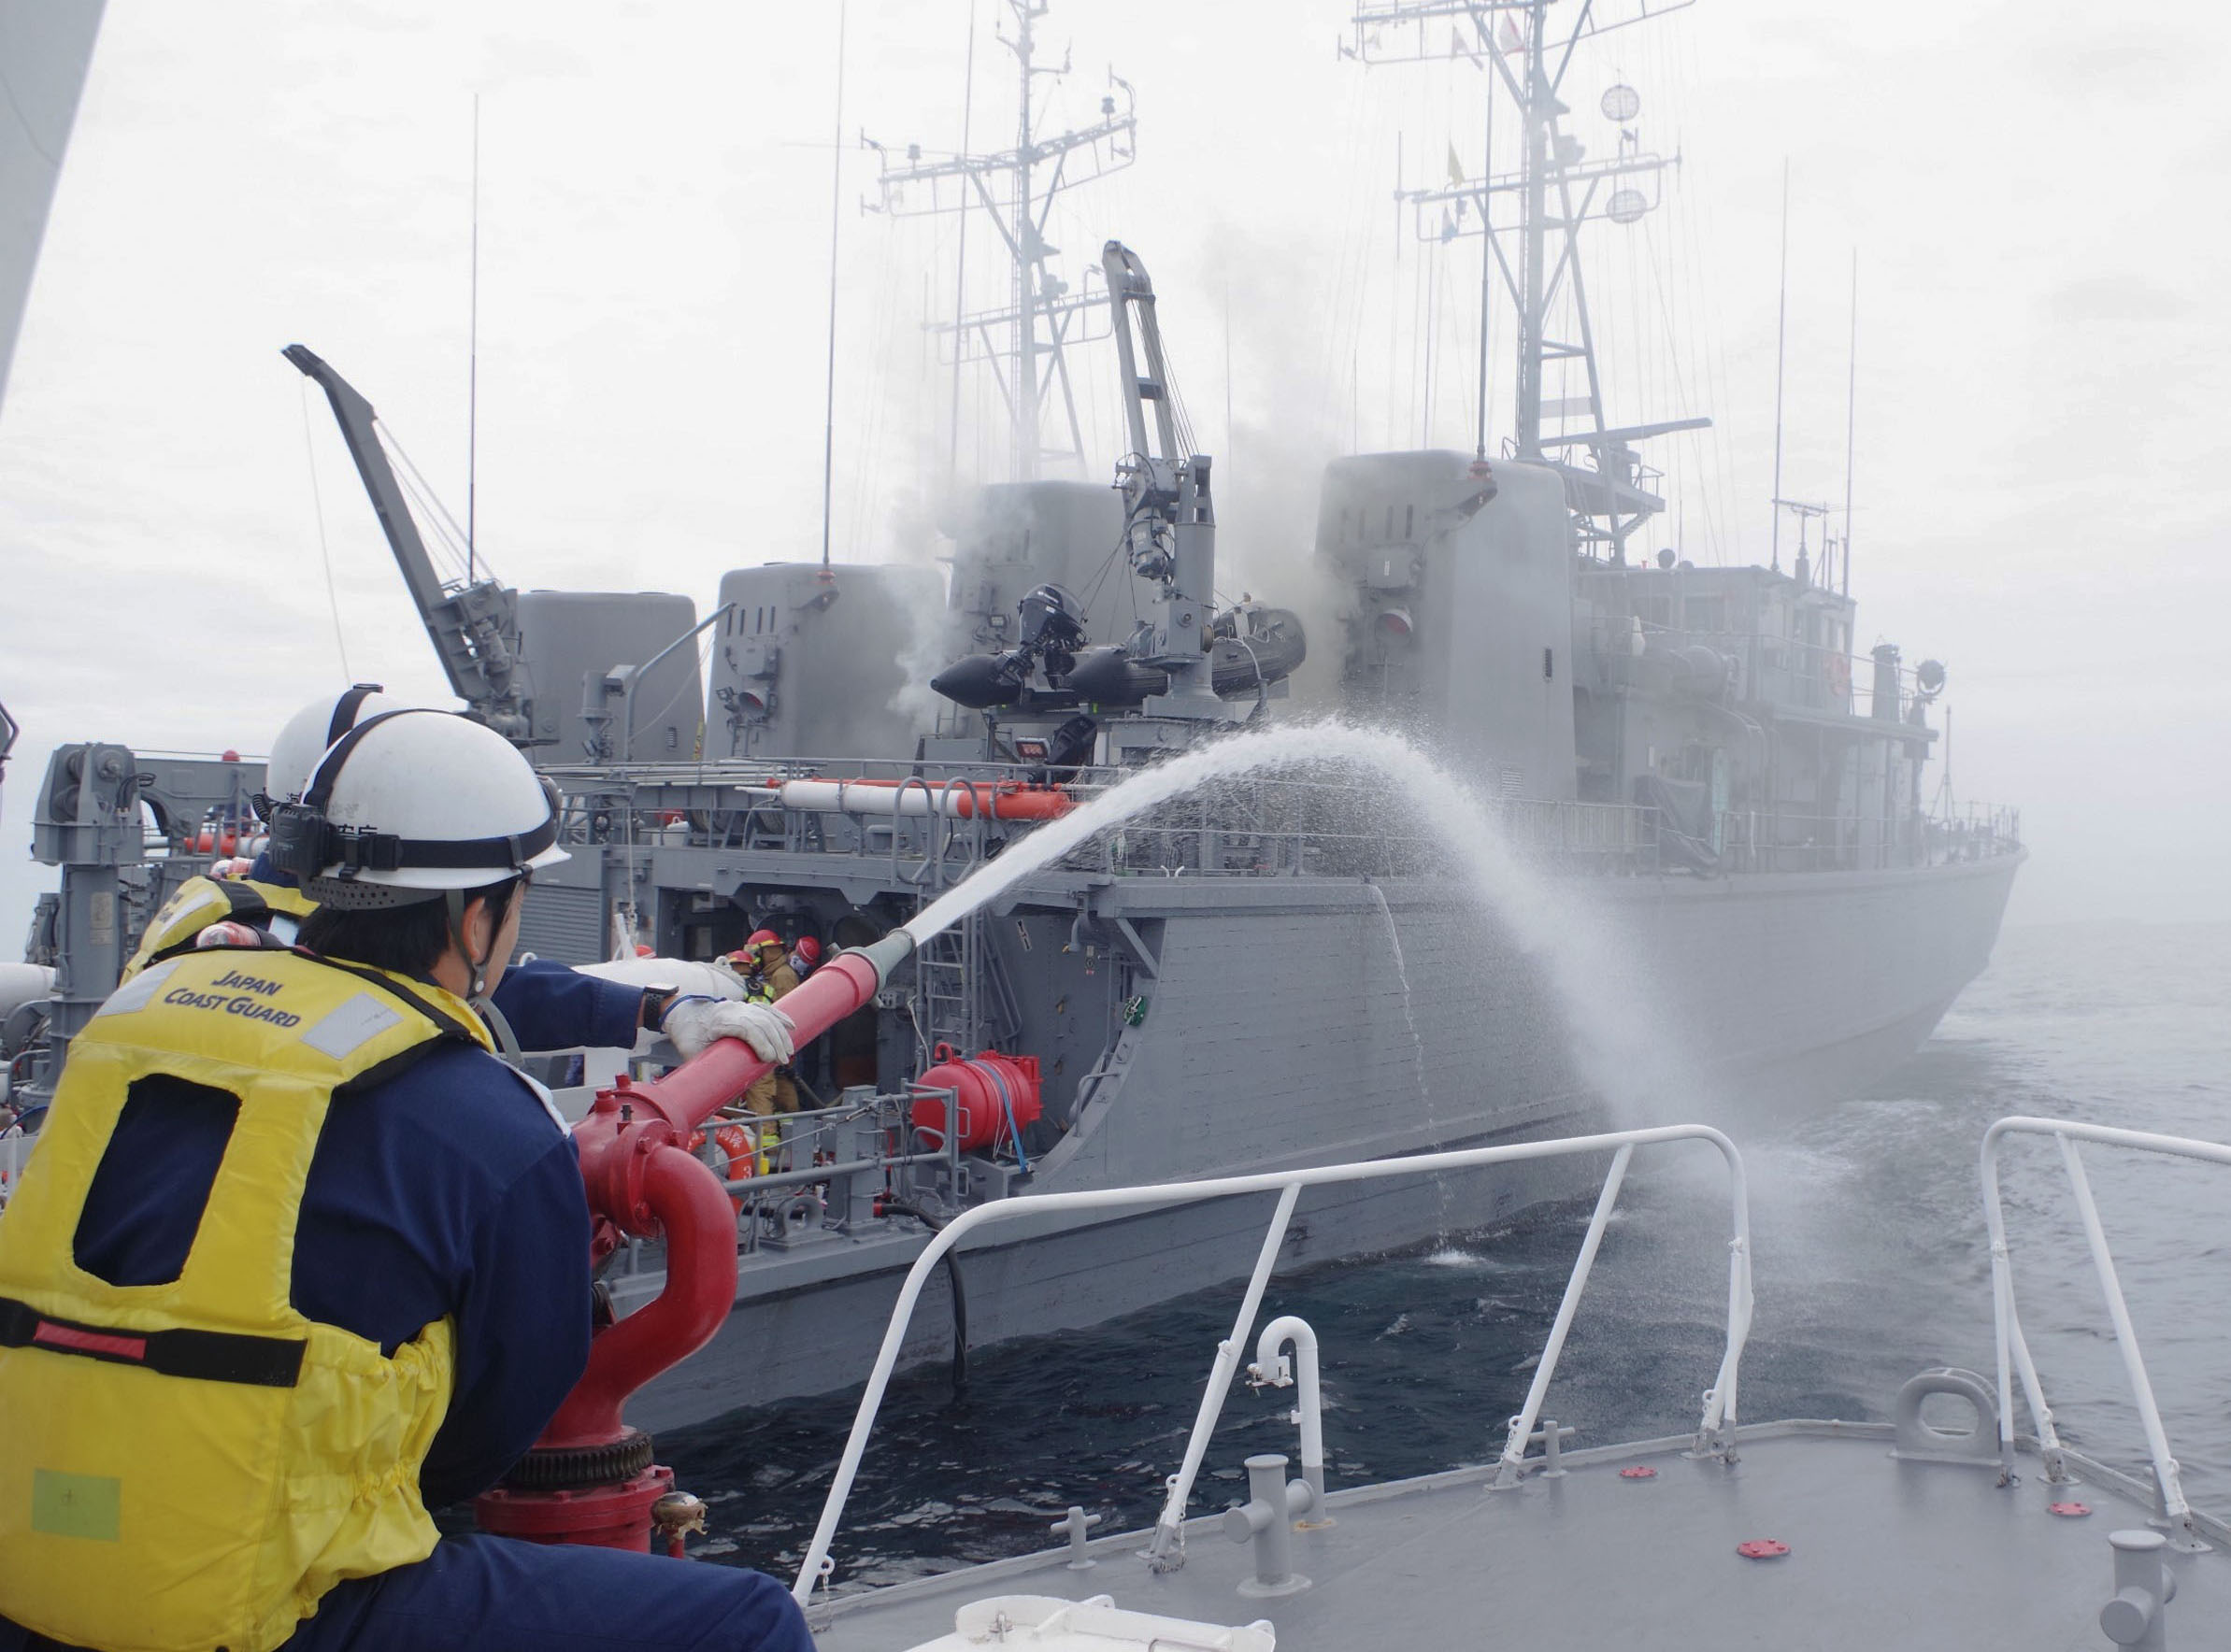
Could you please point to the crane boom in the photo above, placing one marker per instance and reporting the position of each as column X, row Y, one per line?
column 473, row 626
column 1170, row 519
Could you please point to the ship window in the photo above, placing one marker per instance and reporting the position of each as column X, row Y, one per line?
column 1706, row 612
column 1410, row 522
column 1655, row 610
column 1390, row 521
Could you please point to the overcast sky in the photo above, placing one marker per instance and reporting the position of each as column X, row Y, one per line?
column 2034, row 193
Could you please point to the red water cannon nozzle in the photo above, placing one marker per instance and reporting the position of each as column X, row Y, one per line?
column 589, row 1478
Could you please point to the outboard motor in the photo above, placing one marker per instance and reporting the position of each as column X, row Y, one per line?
column 1051, row 634
column 1051, row 626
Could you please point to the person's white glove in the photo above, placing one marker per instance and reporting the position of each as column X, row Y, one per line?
column 694, row 1024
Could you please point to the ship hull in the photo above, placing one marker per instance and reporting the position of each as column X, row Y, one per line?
column 1282, row 1031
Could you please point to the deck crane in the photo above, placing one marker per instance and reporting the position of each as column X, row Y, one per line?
column 1169, row 528
column 474, row 623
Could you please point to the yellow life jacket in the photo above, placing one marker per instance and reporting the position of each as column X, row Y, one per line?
column 192, row 1465
column 201, row 902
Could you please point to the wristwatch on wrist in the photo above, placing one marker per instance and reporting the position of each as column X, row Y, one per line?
column 656, row 998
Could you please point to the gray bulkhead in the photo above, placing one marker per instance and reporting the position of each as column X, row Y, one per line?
column 825, row 662
column 1460, row 617
column 1017, row 535
column 572, row 643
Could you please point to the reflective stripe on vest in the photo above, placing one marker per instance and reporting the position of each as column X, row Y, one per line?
column 201, row 902
column 209, row 1461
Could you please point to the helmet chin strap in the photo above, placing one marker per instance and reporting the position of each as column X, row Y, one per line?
column 478, row 965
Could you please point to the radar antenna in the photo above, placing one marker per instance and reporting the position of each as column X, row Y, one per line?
column 1529, row 58
column 1024, row 341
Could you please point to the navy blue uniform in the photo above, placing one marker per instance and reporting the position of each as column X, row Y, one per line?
column 550, row 1006
column 447, row 1189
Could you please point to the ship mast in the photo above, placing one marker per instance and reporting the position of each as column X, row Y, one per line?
column 1024, row 342
column 1557, row 191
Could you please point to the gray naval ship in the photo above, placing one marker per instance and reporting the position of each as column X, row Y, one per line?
column 1696, row 770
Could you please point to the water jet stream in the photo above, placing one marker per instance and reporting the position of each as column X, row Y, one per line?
column 1618, row 1050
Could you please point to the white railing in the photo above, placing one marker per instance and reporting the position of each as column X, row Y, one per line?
column 1715, row 1432
column 2014, row 1348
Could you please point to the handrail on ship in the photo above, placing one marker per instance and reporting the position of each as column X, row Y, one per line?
column 2014, row 1348
column 1716, row 1430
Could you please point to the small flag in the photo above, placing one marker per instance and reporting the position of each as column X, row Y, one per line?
column 1456, row 166
column 1448, row 227
column 1510, row 40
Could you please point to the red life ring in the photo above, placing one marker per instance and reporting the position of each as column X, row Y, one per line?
column 731, row 1143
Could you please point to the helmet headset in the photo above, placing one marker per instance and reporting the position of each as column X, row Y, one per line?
column 359, row 867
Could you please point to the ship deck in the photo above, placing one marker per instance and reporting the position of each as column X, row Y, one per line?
column 1881, row 1552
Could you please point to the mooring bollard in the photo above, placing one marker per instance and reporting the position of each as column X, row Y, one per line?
column 1268, row 1517
column 2143, row 1588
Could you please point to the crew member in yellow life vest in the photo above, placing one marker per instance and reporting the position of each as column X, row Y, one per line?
column 543, row 1005
column 263, row 902
column 296, row 1258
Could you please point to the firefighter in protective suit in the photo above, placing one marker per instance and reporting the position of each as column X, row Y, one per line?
column 763, row 964
column 297, row 1258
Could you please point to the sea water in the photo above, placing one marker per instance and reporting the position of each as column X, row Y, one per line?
column 1869, row 1259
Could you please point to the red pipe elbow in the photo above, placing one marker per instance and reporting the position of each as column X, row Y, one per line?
column 684, row 1198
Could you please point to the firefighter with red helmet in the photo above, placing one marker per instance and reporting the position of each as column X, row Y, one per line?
column 763, row 964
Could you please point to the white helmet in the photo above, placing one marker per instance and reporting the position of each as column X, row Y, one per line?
column 306, row 735
column 414, row 803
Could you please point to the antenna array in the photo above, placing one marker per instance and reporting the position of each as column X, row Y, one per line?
column 1023, row 341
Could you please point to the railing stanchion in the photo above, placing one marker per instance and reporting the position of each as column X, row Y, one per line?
column 2176, row 1511
column 2174, row 1508
column 1514, row 1445
column 2014, row 1348
column 1169, row 1529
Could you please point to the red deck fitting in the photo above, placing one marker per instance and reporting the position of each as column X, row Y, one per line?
column 2068, row 1511
column 1763, row 1548
column 1638, row 1473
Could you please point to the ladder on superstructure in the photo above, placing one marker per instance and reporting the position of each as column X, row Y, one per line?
column 945, row 986
column 962, row 996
